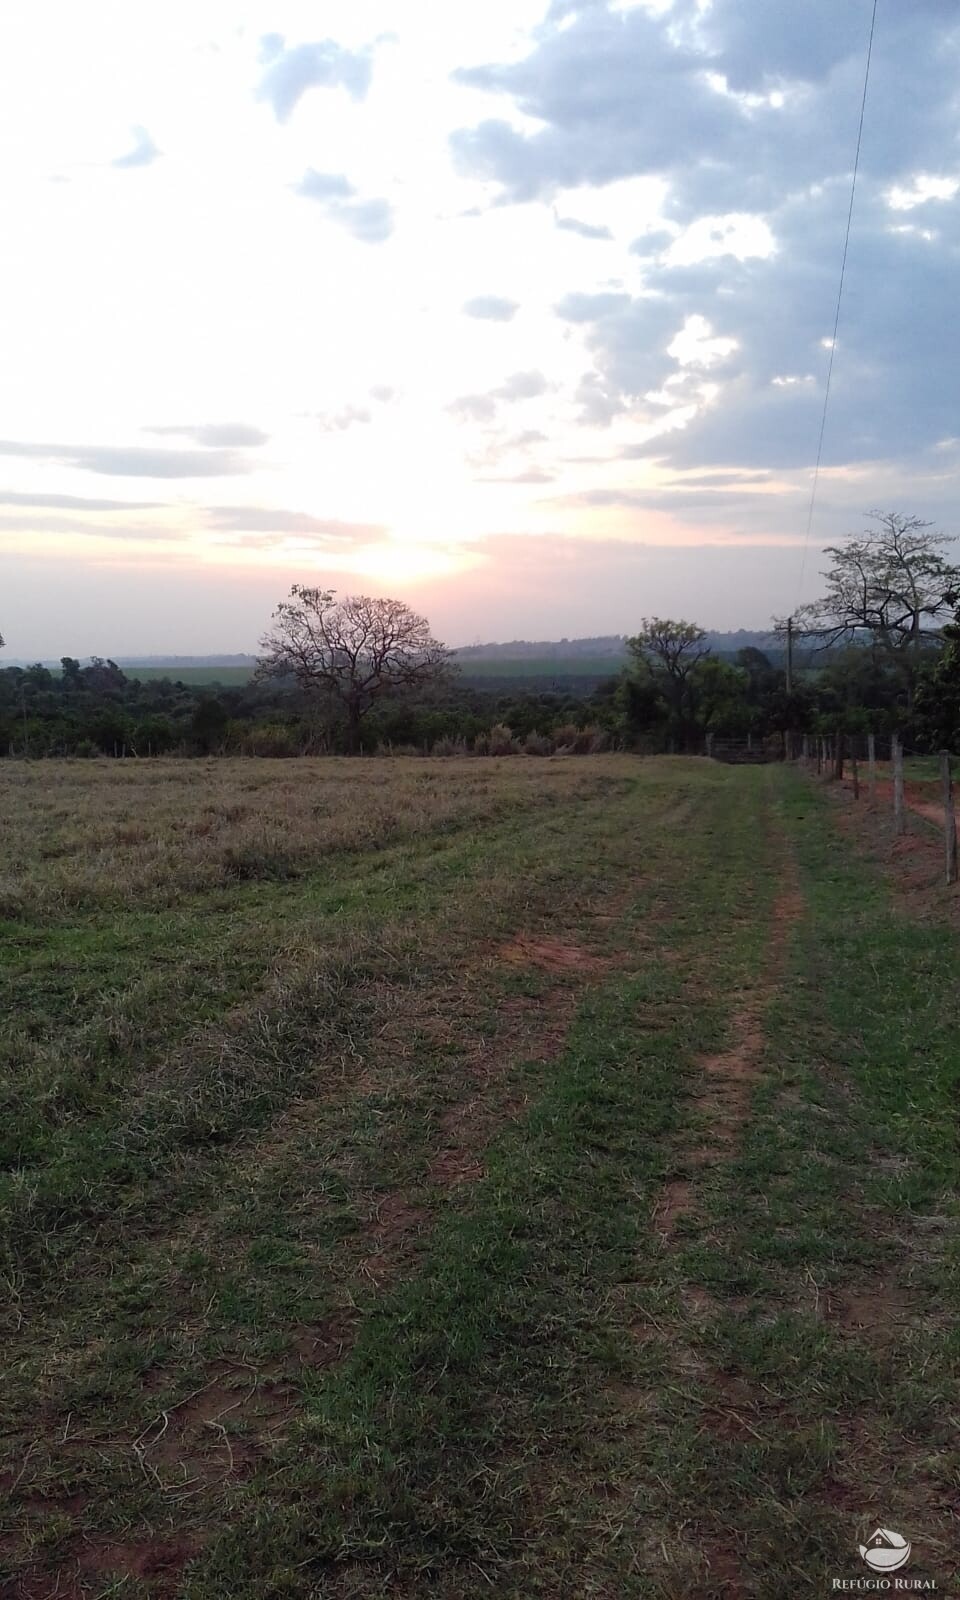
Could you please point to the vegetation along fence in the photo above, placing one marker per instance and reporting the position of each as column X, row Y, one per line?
column 872, row 766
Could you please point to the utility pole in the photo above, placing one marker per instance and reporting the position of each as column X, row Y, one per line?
column 788, row 738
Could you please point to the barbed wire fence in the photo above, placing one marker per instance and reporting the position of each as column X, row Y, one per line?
column 872, row 767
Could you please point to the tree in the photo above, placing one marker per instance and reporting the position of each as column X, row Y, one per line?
column 355, row 651
column 209, row 723
column 938, row 695
column 669, row 651
column 888, row 584
column 719, row 697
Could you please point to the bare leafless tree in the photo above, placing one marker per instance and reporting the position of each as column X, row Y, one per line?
column 355, row 651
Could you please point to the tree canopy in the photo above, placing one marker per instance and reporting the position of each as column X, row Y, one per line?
column 353, row 652
column 887, row 584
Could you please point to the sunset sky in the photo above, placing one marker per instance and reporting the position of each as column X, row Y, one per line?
column 518, row 311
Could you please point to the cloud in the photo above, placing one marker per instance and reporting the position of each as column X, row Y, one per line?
column 74, row 502
column 586, row 230
column 323, row 64
column 732, row 105
column 484, row 407
column 144, row 151
column 491, row 308
column 125, row 461
column 215, row 434
column 276, row 520
column 474, row 407
column 590, row 307
column 346, row 417
column 521, row 386
column 532, row 475
column 370, row 221
column 324, row 186
column 40, row 523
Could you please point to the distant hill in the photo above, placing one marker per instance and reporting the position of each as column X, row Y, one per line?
column 186, row 661
column 613, row 645
column 608, row 644
column 599, row 655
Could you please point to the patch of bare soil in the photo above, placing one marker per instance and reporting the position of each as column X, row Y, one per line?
column 552, row 955
column 730, row 1074
column 724, row 1573
column 144, row 1558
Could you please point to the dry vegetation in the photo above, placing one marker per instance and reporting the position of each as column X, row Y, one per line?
column 467, row 1178
column 94, row 834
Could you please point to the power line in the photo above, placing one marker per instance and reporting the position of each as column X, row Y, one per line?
column 836, row 320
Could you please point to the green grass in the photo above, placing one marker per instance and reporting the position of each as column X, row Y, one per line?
column 339, row 1264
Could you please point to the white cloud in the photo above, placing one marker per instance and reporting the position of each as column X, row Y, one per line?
column 142, row 153
column 923, row 188
column 697, row 346
column 323, row 64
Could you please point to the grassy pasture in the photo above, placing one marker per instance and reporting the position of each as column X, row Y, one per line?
column 466, row 1177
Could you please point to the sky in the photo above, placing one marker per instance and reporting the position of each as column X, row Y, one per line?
column 520, row 312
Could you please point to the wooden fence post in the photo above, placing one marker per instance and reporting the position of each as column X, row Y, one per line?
column 896, row 756
column 838, row 769
column 872, row 765
column 949, row 819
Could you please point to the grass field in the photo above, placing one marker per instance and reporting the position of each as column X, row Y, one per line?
column 472, row 1178
column 225, row 675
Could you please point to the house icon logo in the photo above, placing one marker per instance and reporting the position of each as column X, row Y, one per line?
column 885, row 1551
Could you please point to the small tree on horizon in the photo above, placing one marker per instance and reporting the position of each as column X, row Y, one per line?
column 354, row 651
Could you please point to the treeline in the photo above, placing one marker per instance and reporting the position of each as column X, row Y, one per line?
column 98, row 710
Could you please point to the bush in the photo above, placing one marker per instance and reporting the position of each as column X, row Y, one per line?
column 502, row 742
column 537, row 744
column 269, row 739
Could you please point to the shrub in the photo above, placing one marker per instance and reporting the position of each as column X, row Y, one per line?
column 269, row 739
column 538, row 744
column 502, row 742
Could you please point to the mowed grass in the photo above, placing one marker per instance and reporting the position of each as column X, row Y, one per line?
column 341, row 1105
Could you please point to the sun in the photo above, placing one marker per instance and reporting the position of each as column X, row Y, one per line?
column 398, row 561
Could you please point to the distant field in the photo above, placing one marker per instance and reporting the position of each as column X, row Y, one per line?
column 224, row 675
column 560, row 667
column 487, row 1178
column 543, row 667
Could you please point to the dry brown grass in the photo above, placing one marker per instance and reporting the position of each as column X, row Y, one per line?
column 89, row 834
